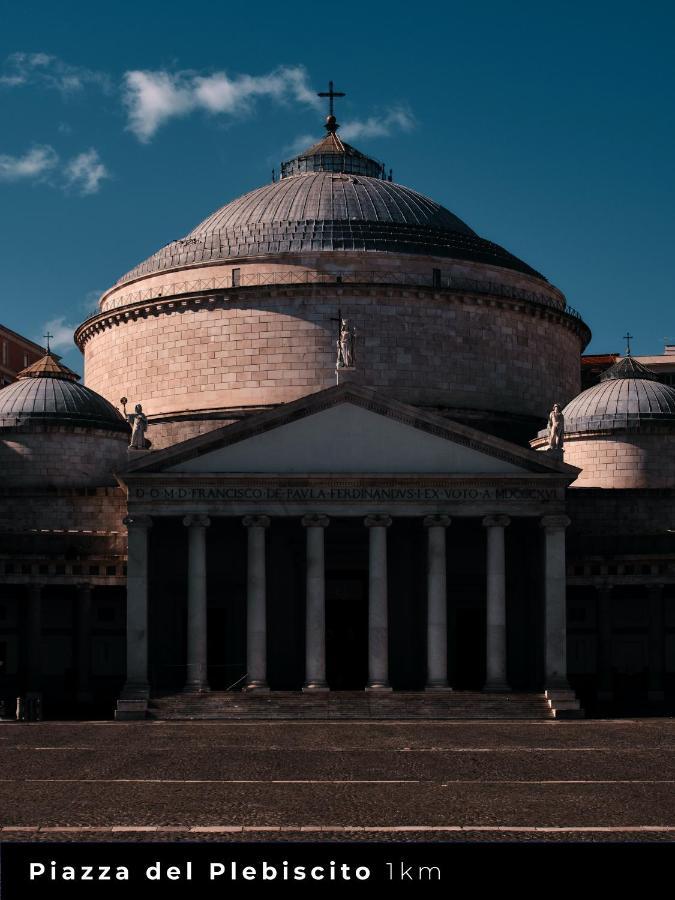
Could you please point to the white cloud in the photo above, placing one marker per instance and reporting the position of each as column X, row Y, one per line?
column 62, row 339
column 85, row 172
column 44, row 70
column 34, row 164
column 154, row 97
column 396, row 119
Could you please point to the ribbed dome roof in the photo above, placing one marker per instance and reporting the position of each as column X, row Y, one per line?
column 619, row 403
column 49, row 393
column 328, row 210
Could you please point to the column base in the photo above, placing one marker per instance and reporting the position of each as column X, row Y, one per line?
column 378, row 686
column 196, row 687
column 438, row 686
column 314, row 686
column 496, row 687
column 257, row 687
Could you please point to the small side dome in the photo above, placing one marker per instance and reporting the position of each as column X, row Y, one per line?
column 621, row 432
column 55, row 432
column 48, row 392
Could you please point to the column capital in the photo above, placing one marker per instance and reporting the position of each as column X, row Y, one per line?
column 136, row 521
column 436, row 521
column 554, row 523
column 496, row 521
column 197, row 521
column 256, row 521
column 377, row 521
column 315, row 521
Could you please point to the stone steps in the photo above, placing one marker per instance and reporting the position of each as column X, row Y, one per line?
column 220, row 705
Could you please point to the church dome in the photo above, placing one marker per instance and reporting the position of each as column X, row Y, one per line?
column 48, row 392
column 331, row 197
column 627, row 397
column 241, row 314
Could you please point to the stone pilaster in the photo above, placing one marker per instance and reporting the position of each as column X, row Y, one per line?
column 315, row 613
column 197, row 678
column 378, row 615
column 256, row 606
column 496, row 679
column 133, row 702
column 437, row 611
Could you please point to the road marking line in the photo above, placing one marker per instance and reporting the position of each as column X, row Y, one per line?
column 343, row 781
column 340, row 829
column 322, row 750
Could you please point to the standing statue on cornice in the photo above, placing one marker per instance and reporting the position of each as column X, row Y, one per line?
column 556, row 428
column 139, row 425
column 345, row 346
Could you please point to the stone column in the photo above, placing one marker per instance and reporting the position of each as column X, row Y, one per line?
column 256, row 611
column 496, row 605
column 83, row 643
column 437, row 613
column 378, row 620
column 555, row 602
column 604, row 616
column 315, row 613
column 655, row 693
column 34, row 638
column 136, row 689
column 197, row 678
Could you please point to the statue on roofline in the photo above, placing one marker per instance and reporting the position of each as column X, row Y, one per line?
column 139, row 425
column 556, row 428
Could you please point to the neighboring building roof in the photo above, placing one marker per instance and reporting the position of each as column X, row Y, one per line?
column 628, row 397
column 48, row 392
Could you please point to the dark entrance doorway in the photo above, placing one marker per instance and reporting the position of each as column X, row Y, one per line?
column 346, row 630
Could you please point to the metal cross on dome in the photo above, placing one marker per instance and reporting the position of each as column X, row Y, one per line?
column 49, row 337
column 628, row 337
column 331, row 94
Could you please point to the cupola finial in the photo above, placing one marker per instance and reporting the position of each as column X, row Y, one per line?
column 331, row 122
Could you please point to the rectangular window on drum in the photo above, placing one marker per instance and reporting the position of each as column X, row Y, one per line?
column 436, row 278
column 236, row 277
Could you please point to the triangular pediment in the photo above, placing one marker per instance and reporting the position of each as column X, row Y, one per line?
column 349, row 430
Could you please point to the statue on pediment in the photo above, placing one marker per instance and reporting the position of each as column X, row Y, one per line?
column 345, row 346
column 556, row 428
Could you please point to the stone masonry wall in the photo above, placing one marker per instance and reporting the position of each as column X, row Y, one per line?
column 267, row 346
column 640, row 460
column 52, row 456
column 73, row 514
column 620, row 512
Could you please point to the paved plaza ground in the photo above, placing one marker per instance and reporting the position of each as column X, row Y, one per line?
column 431, row 781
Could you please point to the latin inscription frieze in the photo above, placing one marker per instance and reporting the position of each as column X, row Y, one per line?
column 347, row 494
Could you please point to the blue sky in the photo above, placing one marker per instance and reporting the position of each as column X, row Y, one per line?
column 547, row 127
